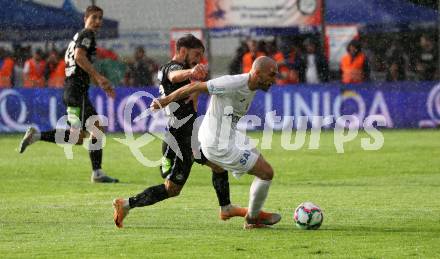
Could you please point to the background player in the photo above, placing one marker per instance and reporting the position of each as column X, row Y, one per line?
column 231, row 98
column 79, row 56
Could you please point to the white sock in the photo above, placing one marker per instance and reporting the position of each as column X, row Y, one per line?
column 257, row 196
column 97, row 173
column 226, row 207
column 36, row 136
column 126, row 204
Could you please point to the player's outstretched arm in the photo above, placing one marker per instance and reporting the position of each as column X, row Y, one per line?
column 82, row 61
column 179, row 94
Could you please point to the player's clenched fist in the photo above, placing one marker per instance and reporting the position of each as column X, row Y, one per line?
column 199, row 72
column 155, row 105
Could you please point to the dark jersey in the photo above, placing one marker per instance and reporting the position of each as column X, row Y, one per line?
column 78, row 80
column 179, row 170
column 167, row 87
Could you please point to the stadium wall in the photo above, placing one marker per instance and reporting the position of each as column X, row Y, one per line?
column 404, row 105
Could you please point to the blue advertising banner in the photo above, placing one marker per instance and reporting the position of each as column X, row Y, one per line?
column 403, row 105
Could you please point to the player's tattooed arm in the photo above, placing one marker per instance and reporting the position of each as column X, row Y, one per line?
column 179, row 94
column 82, row 61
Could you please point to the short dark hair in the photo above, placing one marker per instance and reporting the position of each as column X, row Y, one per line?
column 92, row 9
column 309, row 41
column 39, row 51
column 356, row 44
column 140, row 48
column 189, row 41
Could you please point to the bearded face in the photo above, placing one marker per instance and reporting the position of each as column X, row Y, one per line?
column 193, row 57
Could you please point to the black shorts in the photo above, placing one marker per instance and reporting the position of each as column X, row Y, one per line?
column 79, row 109
column 173, row 168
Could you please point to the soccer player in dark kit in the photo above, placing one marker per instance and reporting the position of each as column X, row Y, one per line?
column 79, row 57
column 177, row 73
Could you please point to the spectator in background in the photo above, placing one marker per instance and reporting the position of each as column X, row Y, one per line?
column 262, row 47
column 312, row 66
column 103, row 53
column 251, row 55
column 6, row 69
column 273, row 52
column 395, row 72
column 235, row 67
column 287, row 72
column 141, row 71
column 55, row 73
column 377, row 62
column 397, row 62
column 33, row 71
column 354, row 65
column 108, row 64
column 426, row 60
column 284, row 73
column 21, row 54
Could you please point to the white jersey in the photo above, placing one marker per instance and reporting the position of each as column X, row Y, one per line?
column 230, row 100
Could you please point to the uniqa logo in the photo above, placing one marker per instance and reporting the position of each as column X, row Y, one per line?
column 10, row 124
column 433, row 104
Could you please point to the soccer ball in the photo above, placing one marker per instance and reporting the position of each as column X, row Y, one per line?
column 308, row 216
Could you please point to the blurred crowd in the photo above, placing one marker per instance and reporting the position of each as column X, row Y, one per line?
column 305, row 61
column 27, row 68
column 295, row 65
column 301, row 61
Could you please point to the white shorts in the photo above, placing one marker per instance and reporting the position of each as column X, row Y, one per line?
column 236, row 160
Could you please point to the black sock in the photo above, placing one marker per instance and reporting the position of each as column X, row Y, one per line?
column 49, row 136
column 149, row 196
column 95, row 156
column 221, row 186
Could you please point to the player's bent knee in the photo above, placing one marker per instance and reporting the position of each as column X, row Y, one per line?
column 269, row 172
column 266, row 173
column 173, row 192
column 262, row 169
column 173, row 189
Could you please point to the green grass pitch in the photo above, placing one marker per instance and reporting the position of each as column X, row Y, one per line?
column 377, row 204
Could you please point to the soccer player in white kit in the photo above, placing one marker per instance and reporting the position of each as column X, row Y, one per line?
column 231, row 97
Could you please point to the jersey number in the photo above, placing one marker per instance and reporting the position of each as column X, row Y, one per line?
column 69, row 59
